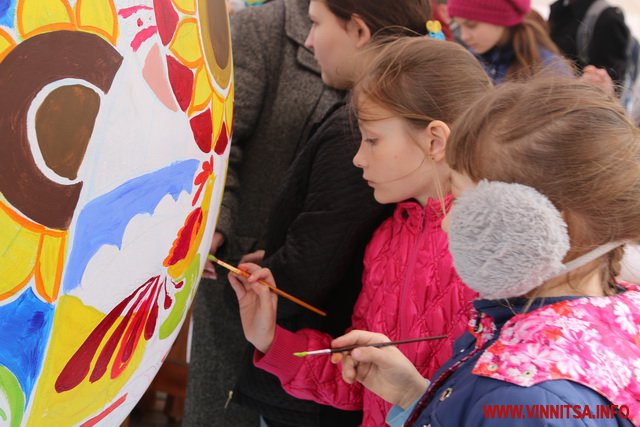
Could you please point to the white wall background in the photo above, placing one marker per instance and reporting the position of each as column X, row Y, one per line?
column 631, row 10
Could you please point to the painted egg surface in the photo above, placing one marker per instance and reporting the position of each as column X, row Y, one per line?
column 115, row 122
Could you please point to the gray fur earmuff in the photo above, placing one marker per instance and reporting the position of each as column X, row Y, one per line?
column 506, row 239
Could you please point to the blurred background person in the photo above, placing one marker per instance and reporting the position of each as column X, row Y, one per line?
column 604, row 47
column 506, row 38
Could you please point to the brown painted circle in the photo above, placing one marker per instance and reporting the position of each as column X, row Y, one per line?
column 31, row 66
column 216, row 39
column 220, row 35
column 64, row 124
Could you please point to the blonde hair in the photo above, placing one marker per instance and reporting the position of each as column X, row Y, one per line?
column 420, row 80
column 527, row 39
column 568, row 141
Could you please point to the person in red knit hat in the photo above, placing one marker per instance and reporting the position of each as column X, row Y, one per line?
column 509, row 42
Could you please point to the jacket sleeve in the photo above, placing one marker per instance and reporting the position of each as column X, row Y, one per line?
column 311, row 378
column 338, row 214
column 250, row 62
column 523, row 402
column 609, row 43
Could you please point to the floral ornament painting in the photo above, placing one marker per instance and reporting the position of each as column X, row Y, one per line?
column 115, row 117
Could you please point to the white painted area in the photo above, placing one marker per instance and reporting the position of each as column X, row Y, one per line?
column 134, row 134
column 631, row 9
column 113, row 274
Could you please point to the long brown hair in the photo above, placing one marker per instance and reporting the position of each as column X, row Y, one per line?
column 385, row 18
column 565, row 139
column 527, row 39
column 420, row 80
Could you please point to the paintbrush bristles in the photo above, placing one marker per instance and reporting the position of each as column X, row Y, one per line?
column 225, row 265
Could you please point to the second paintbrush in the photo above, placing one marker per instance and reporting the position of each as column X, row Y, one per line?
column 353, row 347
column 275, row 290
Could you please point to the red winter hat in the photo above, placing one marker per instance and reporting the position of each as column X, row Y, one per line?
column 505, row 13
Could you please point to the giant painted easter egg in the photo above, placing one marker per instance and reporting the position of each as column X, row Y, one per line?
column 115, row 119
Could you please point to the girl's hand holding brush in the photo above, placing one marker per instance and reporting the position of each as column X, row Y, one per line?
column 385, row 371
column 258, row 305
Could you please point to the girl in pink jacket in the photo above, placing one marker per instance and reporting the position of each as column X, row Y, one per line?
column 410, row 92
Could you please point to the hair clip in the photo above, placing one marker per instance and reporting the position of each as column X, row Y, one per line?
column 435, row 30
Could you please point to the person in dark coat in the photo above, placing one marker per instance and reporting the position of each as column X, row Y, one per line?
column 279, row 96
column 607, row 49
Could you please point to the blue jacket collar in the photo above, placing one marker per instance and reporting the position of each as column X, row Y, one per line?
column 503, row 310
column 497, row 61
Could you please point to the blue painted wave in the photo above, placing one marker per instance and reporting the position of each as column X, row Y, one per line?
column 104, row 220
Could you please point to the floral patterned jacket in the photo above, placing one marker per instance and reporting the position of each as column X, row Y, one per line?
column 567, row 361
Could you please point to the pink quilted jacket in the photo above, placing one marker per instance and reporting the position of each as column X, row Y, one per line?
column 410, row 290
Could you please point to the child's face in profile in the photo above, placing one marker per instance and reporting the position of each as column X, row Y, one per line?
column 480, row 37
column 393, row 158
